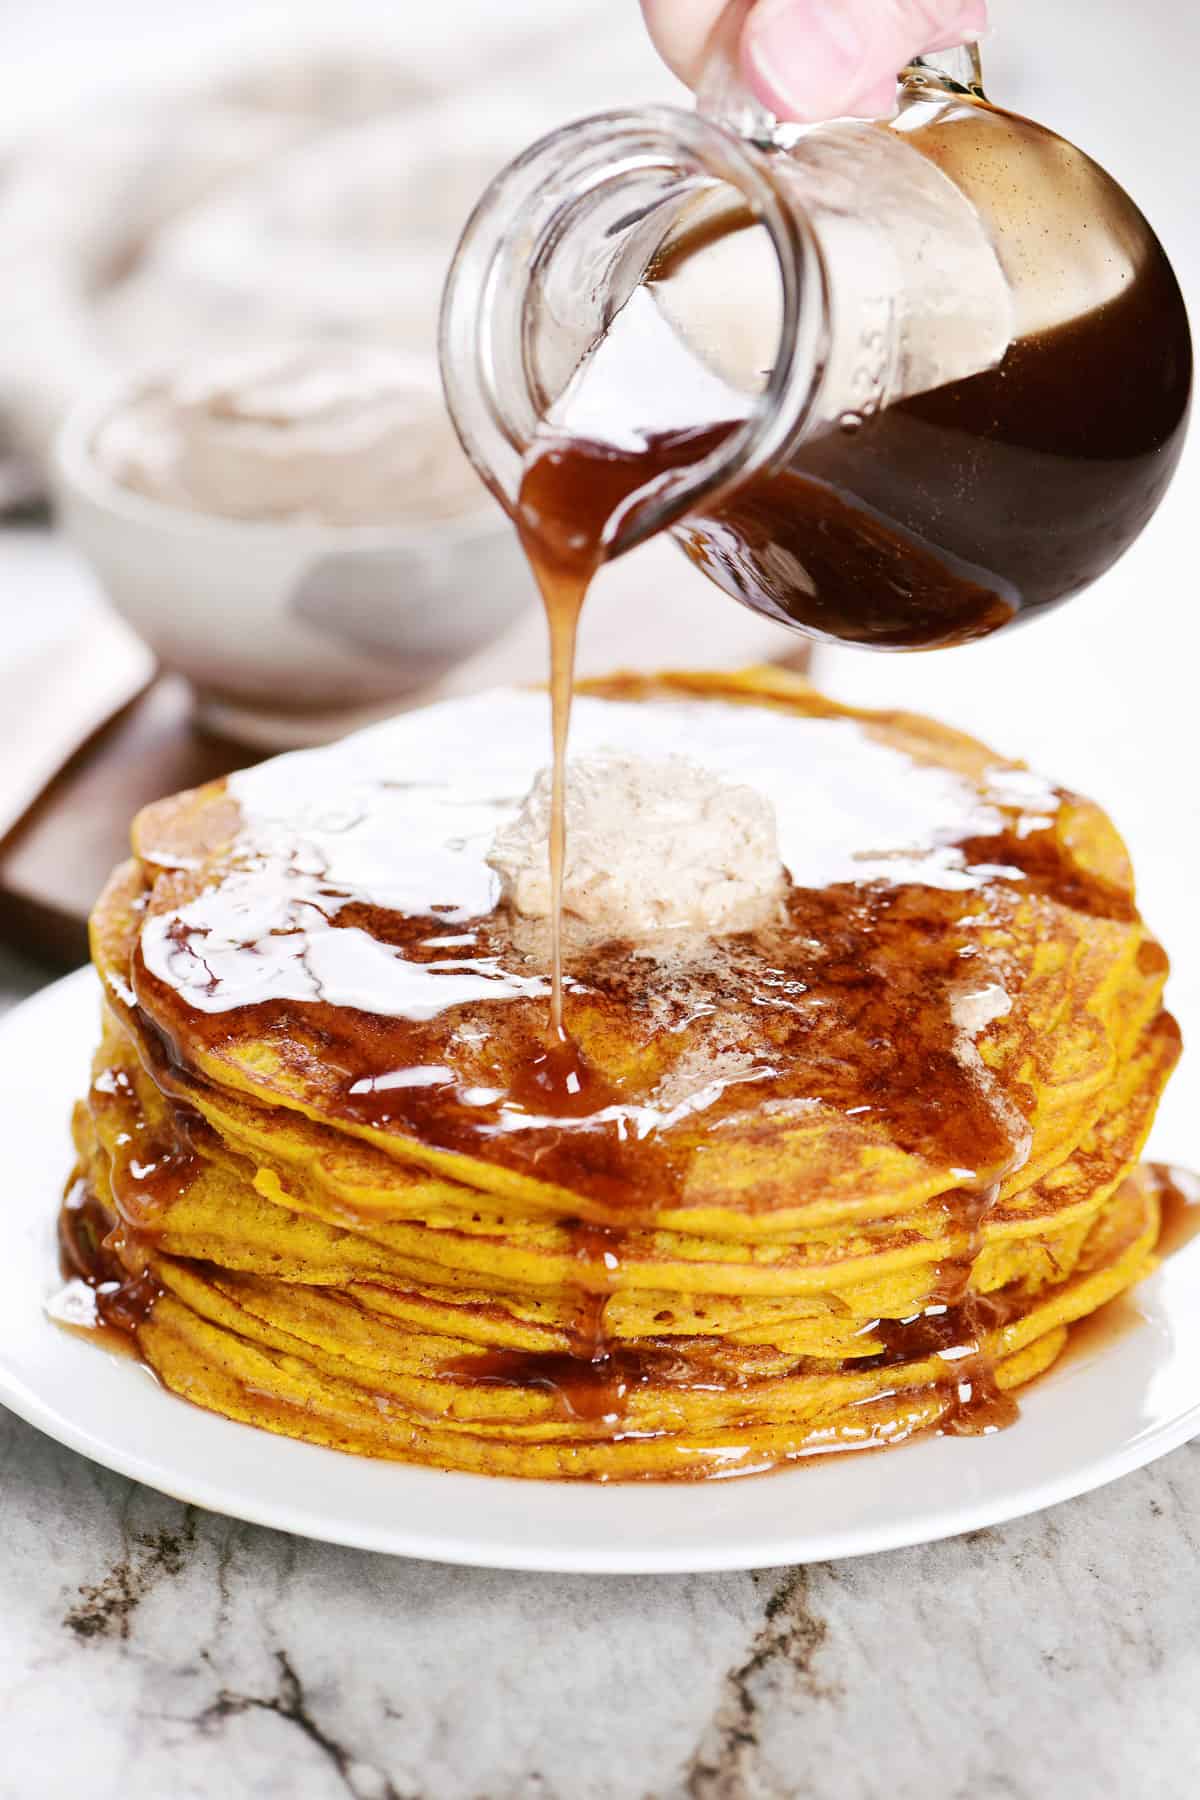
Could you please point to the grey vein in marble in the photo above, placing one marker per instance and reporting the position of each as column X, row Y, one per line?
column 150, row 1649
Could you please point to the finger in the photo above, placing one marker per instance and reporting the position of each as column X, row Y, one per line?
column 680, row 31
column 816, row 59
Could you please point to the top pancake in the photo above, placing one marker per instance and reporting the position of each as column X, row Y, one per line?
column 318, row 941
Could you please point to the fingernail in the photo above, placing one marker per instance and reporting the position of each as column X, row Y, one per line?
column 807, row 57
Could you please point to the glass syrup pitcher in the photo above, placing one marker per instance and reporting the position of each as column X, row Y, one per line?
column 894, row 383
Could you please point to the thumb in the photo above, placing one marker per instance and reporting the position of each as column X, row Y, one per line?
column 817, row 59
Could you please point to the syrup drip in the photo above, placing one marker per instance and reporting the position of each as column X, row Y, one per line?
column 975, row 1404
column 583, row 1388
column 558, row 1080
column 593, row 1377
column 597, row 1249
column 90, row 1250
column 1179, row 1204
column 147, row 1170
column 963, row 1317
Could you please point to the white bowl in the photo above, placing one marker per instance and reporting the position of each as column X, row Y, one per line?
column 290, row 632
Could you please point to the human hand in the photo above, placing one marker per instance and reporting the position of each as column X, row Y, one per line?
column 815, row 59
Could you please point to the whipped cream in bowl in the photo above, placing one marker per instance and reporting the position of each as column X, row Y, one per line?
column 332, row 434
column 294, row 528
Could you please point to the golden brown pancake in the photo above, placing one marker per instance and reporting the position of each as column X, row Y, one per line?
column 825, row 1183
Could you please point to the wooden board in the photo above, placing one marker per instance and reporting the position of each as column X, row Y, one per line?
column 58, row 858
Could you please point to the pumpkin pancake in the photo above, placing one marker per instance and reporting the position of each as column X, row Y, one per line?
column 837, row 1176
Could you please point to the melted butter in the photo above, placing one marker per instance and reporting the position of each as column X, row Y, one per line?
column 329, row 831
column 356, row 914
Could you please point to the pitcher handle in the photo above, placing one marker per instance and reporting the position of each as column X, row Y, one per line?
column 722, row 94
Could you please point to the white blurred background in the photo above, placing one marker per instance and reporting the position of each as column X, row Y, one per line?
column 1102, row 695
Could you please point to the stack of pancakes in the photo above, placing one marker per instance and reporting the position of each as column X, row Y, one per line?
column 845, row 1177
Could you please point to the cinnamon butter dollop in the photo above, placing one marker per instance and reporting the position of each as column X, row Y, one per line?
column 653, row 844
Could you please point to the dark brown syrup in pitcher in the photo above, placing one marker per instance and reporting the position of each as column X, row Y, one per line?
column 952, row 513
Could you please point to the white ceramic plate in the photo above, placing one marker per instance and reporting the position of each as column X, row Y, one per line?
column 1133, row 1396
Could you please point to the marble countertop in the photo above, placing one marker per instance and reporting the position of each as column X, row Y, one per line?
column 159, row 1650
